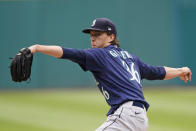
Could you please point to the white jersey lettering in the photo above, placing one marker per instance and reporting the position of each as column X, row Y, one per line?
column 132, row 71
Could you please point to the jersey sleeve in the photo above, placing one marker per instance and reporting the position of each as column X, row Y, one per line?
column 88, row 59
column 150, row 72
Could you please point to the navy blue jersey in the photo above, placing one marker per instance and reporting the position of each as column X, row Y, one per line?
column 118, row 74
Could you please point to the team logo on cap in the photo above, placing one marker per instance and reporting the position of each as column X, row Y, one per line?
column 109, row 28
column 93, row 23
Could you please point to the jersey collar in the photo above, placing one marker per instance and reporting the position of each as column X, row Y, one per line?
column 111, row 46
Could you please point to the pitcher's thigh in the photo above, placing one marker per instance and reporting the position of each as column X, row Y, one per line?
column 133, row 119
column 110, row 125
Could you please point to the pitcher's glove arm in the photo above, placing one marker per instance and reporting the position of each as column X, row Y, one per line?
column 20, row 67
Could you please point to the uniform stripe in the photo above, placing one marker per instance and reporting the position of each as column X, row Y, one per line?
column 114, row 120
column 110, row 124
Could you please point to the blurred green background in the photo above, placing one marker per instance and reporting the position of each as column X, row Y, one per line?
column 160, row 32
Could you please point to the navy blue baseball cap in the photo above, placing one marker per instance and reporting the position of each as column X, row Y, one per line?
column 102, row 24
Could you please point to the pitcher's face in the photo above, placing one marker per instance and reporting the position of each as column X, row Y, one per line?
column 99, row 39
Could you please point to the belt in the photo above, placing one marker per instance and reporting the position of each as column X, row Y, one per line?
column 138, row 104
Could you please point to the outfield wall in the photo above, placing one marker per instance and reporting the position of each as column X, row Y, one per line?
column 160, row 32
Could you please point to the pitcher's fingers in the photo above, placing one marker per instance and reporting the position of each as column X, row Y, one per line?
column 189, row 75
column 186, row 78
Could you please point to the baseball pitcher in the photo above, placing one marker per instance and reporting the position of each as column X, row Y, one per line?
column 118, row 74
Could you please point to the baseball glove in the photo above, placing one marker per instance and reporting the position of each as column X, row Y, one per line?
column 20, row 67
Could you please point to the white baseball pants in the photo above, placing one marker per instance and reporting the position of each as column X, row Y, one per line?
column 126, row 118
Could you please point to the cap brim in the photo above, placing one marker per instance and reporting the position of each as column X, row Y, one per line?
column 89, row 29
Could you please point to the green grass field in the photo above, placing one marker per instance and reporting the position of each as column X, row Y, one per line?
column 84, row 110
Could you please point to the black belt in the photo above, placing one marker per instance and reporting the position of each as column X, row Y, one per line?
column 138, row 104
